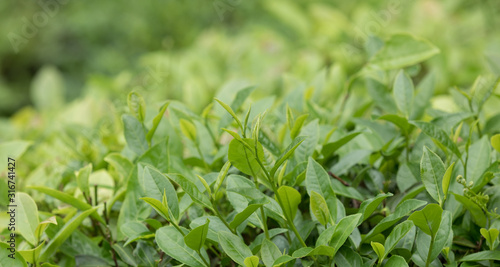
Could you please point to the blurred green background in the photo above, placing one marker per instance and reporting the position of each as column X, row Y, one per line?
column 188, row 50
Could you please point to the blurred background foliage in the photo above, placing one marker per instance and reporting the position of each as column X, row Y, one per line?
column 188, row 50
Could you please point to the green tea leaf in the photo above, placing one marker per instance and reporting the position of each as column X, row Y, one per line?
column 287, row 153
column 234, row 247
column 269, row 252
column 319, row 208
column 439, row 135
column 121, row 164
column 370, row 205
column 490, row 236
column 230, row 111
column 196, row 238
column 396, row 261
column 432, row 170
column 64, row 233
column 346, row 257
column 82, row 178
column 428, row 219
column 31, row 255
column 403, row 50
column 26, row 217
column 401, row 211
column 318, row 180
column 158, row 206
column 172, row 243
column 336, row 235
column 401, row 122
column 40, row 229
column 379, row 250
column 403, row 92
column 125, row 254
column 297, row 126
column 482, row 256
column 6, row 261
column 243, row 215
column 477, row 213
column 155, row 184
column 188, row 129
column 156, row 122
column 66, row 198
column 290, row 199
column 137, row 106
column 319, row 250
column 191, row 189
column 495, row 142
column 243, row 158
column 447, row 179
column 221, row 177
column 134, row 134
column 331, row 148
column 283, row 260
column 252, row 261
column 396, row 235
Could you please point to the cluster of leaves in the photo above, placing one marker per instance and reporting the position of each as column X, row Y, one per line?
column 364, row 174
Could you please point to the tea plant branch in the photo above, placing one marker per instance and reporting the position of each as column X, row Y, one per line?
column 201, row 157
column 428, row 261
column 217, row 213
column 262, row 213
column 280, row 202
column 203, row 258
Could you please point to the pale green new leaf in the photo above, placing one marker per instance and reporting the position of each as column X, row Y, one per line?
column 495, row 142
column 252, row 261
column 379, row 250
column 319, row 208
column 137, row 106
column 156, row 122
column 26, row 216
column 290, row 200
column 447, row 179
column 318, row 180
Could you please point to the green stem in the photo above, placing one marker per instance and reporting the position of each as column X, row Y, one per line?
column 428, row 261
column 262, row 213
column 407, row 148
column 204, row 260
column 210, row 132
column 177, row 227
column 296, row 232
column 222, row 218
column 275, row 190
column 264, row 223
column 202, row 158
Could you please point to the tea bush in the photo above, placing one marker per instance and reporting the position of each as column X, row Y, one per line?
column 383, row 160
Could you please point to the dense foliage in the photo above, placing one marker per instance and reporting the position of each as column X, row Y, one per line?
column 384, row 154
